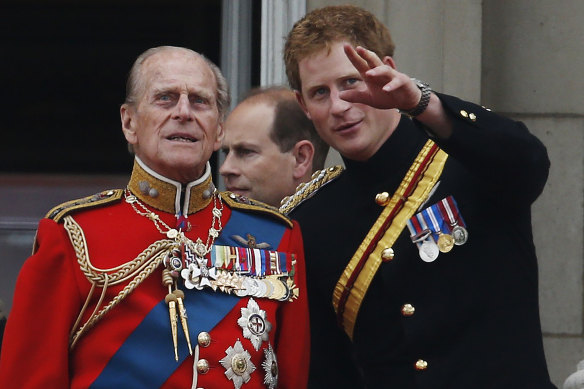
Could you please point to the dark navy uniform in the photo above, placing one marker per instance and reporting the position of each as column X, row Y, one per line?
column 469, row 319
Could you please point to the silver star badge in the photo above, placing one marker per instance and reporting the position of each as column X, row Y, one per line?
column 237, row 364
column 255, row 326
column 270, row 365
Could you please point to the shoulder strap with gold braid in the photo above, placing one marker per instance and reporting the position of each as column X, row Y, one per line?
column 308, row 189
column 376, row 247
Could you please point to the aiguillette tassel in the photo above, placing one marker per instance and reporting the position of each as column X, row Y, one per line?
column 180, row 295
column 171, row 301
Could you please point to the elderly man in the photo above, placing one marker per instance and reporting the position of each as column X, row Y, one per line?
column 270, row 146
column 166, row 283
column 420, row 258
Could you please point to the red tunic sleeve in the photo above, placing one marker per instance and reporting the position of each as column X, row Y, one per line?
column 46, row 300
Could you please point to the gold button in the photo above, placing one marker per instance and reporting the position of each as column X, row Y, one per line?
column 202, row 366
column 387, row 254
column 472, row 117
column 204, row 339
column 421, row 364
column 382, row 199
column 408, row 310
column 463, row 113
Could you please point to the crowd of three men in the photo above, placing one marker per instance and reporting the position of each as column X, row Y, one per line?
column 413, row 267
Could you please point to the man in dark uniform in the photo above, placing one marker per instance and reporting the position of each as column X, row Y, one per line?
column 421, row 267
column 166, row 283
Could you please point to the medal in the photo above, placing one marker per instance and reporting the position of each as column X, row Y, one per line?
column 449, row 209
column 460, row 235
column 429, row 250
column 270, row 365
column 254, row 324
column 445, row 241
column 422, row 237
column 237, row 364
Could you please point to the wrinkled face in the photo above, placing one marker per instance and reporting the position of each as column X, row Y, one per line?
column 254, row 166
column 174, row 126
column 357, row 131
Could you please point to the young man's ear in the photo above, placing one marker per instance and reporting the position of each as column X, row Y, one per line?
column 300, row 100
column 303, row 152
column 128, row 128
column 389, row 61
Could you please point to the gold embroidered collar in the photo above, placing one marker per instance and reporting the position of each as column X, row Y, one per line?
column 164, row 194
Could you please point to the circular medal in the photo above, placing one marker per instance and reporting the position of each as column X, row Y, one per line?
column 262, row 288
column 445, row 242
column 460, row 235
column 245, row 289
column 269, row 288
column 279, row 289
column 429, row 251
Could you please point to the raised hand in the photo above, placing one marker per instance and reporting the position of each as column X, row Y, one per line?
column 386, row 87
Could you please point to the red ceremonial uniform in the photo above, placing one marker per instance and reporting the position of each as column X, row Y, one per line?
column 254, row 340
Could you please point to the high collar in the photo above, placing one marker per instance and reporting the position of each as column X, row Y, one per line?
column 165, row 194
column 394, row 156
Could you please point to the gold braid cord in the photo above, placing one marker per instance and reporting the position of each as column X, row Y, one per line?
column 137, row 270
column 306, row 190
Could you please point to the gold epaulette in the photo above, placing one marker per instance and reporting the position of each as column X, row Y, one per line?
column 96, row 200
column 307, row 189
column 241, row 202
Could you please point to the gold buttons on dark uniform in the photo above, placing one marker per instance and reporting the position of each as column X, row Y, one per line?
column 202, row 366
column 421, row 364
column 408, row 310
column 382, row 199
column 467, row 115
column 204, row 339
column 387, row 254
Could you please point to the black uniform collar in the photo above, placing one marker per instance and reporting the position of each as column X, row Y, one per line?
column 394, row 157
column 168, row 195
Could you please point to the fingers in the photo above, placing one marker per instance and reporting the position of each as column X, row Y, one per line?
column 358, row 62
column 393, row 84
column 361, row 58
column 355, row 96
column 372, row 59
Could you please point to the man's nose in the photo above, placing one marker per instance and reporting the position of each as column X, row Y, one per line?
column 338, row 105
column 228, row 167
column 183, row 110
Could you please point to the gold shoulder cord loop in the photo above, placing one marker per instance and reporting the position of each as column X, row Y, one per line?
column 137, row 270
column 308, row 189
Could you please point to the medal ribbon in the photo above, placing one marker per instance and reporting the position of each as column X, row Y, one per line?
column 416, row 231
column 451, row 209
column 357, row 276
column 242, row 260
